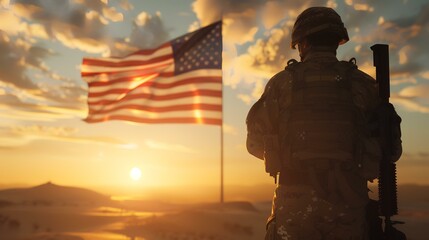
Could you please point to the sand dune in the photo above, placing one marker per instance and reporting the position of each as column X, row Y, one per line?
column 50, row 193
column 103, row 219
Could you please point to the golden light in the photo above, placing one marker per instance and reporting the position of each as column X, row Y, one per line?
column 135, row 173
column 197, row 113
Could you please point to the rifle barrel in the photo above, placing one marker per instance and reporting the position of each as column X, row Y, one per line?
column 387, row 176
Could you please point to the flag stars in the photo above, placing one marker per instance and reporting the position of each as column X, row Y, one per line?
column 203, row 53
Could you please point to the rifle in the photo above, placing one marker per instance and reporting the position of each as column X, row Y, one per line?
column 387, row 192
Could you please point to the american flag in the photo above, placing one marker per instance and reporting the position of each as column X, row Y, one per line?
column 177, row 82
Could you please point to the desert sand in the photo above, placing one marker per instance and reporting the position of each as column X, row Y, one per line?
column 92, row 216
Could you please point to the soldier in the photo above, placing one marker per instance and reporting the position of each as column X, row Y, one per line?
column 316, row 128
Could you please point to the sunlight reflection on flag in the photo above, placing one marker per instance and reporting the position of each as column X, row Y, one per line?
column 197, row 112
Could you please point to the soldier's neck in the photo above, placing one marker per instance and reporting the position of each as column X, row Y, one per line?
column 316, row 52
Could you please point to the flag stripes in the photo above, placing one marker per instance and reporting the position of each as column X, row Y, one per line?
column 144, row 69
column 195, row 120
column 185, row 107
column 154, row 90
column 178, row 82
column 164, row 50
column 161, row 78
column 106, row 104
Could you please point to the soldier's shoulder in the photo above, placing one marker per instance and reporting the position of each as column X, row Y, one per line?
column 359, row 75
column 282, row 74
column 287, row 72
column 281, row 77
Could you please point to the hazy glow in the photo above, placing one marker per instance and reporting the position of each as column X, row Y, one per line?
column 44, row 94
column 198, row 116
column 135, row 173
column 197, row 113
column 137, row 81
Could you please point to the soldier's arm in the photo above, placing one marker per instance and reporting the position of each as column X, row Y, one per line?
column 255, row 131
column 366, row 94
column 259, row 120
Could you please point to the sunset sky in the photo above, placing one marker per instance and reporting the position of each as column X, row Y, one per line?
column 43, row 98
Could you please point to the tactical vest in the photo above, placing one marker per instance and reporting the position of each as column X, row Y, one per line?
column 320, row 123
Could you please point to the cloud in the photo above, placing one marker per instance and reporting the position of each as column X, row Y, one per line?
column 18, row 136
column 168, row 146
column 260, row 62
column 247, row 99
column 366, row 25
column 240, row 27
column 148, row 31
column 4, row 3
column 415, row 158
column 403, row 53
column 43, row 104
column 413, row 98
column 243, row 20
column 425, row 75
column 273, row 12
column 107, row 12
column 240, row 20
column 46, row 95
column 419, row 91
column 208, row 11
column 407, row 38
column 229, row 129
column 77, row 24
column 194, row 26
column 20, row 59
column 16, row 56
column 126, row 5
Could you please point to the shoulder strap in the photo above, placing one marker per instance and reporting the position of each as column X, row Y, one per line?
column 292, row 65
column 346, row 66
column 291, row 62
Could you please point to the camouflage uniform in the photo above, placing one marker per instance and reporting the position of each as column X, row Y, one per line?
column 303, row 209
column 316, row 125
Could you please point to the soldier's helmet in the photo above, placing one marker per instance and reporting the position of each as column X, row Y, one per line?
column 318, row 19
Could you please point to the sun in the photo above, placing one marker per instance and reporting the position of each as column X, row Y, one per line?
column 135, row 173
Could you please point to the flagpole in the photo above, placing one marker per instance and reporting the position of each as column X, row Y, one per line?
column 221, row 153
column 221, row 160
column 221, row 133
